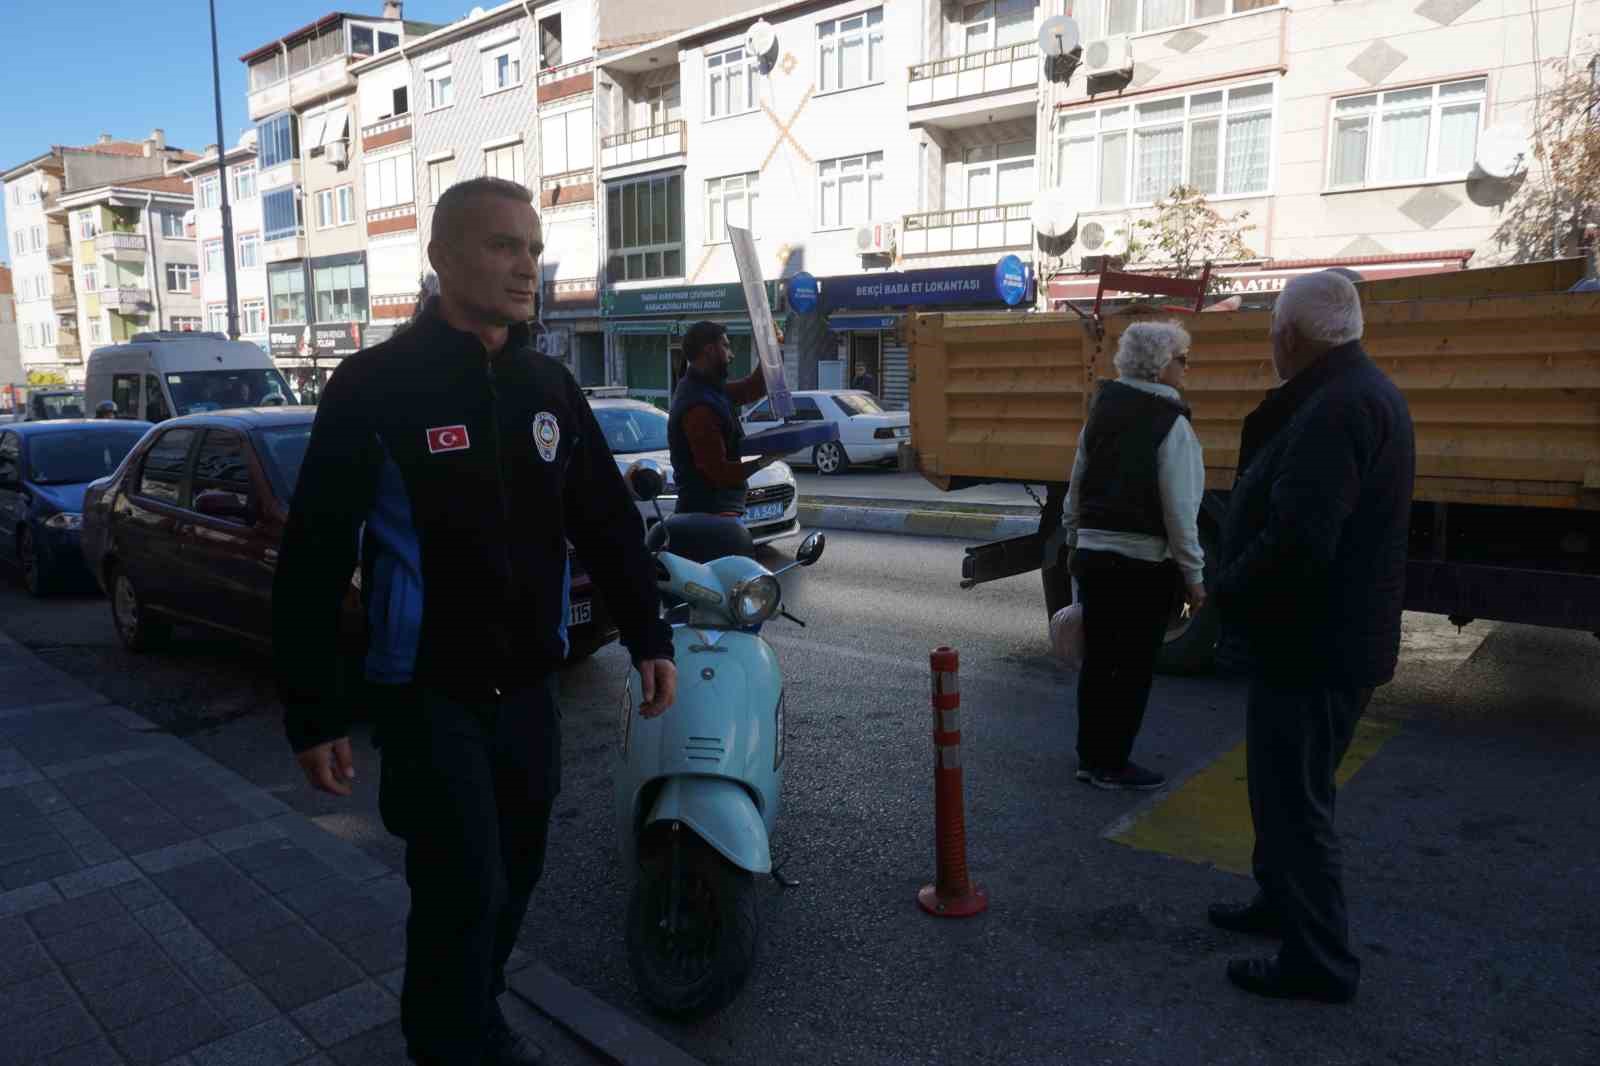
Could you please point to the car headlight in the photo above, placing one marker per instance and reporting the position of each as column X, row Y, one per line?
column 756, row 600
column 65, row 520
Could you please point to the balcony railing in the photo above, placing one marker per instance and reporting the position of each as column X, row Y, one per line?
column 566, row 293
column 61, row 250
column 1012, row 66
column 569, row 79
column 967, row 229
column 126, row 300
column 396, row 219
column 394, row 130
column 642, row 145
column 120, row 243
column 573, row 187
column 63, row 301
column 68, row 351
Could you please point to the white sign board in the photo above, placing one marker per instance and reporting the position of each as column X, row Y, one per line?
column 761, row 325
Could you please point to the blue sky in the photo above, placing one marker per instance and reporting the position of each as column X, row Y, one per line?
column 76, row 68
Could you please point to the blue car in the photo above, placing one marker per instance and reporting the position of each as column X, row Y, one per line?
column 44, row 469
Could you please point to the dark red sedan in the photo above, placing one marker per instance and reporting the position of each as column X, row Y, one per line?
column 188, row 527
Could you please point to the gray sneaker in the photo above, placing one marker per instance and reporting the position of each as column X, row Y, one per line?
column 1131, row 778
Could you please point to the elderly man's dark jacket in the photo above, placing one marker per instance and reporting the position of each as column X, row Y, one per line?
column 1311, row 576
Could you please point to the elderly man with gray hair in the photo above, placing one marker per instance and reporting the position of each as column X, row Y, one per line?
column 1131, row 521
column 1310, row 584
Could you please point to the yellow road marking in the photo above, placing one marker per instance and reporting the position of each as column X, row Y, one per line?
column 1206, row 819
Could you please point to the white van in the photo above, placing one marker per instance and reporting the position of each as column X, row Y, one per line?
column 156, row 376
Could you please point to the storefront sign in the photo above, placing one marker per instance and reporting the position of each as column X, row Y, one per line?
column 330, row 340
column 862, row 322
column 925, row 288
column 679, row 300
column 803, row 293
column 1011, row 280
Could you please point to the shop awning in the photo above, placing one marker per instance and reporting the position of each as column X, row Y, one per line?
column 1271, row 277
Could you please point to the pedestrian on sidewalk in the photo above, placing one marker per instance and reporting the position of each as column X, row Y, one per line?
column 703, row 429
column 1131, row 520
column 469, row 460
column 865, row 380
column 1310, row 584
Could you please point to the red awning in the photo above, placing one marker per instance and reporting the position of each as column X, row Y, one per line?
column 1272, row 277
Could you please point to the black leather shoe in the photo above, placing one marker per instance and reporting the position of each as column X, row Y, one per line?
column 1257, row 918
column 504, row 1046
column 1264, row 977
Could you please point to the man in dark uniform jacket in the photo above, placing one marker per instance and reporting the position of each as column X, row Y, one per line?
column 1311, row 581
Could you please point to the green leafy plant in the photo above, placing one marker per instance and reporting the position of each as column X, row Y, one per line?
column 1557, row 207
column 1186, row 232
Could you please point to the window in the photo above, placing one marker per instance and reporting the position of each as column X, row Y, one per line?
column 91, row 278
column 644, row 228
column 244, row 182
column 441, row 91
column 185, row 322
column 287, row 287
column 1407, row 135
column 97, row 330
column 441, row 175
column 995, row 24
column 806, row 410
column 730, row 84
column 550, row 41
column 998, row 174
column 503, row 162
column 125, row 393
column 277, row 141
column 361, row 40
column 402, row 101
column 161, row 475
column 253, row 317
column 502, row 67
column 850, row 51
column 341, row 293
column 325, row 128
column 567, row 141
column 88, row 227
column 38, row 238
column 221, row 466
column 280, row 215
column 47, row 333
column 250, row 250
column 266, row 71
column 212, row 252
column 336, row 207
column 1105, row 18
column 217, row 318
column 761, row 412
column 1219, row 142
column 730, row 201
column 658, row 106
column 171, row 224
column 155, row 402
column 850, row 190
column 209, row 192
column 389, row 182
column 180, row 276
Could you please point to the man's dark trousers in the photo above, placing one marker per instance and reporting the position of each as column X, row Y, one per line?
column 468, row 783
column 1296, row 736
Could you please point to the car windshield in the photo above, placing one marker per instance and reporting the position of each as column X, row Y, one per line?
column 632, row 429
column 72, row 458
column 285, row 448
column 58, row 405
column 213, row 390
column 857, row 403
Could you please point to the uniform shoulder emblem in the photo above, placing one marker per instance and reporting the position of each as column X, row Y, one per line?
column 546, row 435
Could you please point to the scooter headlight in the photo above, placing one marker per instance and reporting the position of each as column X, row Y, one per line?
column 756, row 600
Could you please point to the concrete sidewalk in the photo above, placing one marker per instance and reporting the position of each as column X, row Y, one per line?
column 156, row 907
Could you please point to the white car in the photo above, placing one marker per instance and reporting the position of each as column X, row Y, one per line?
column 636, row 430
column 867, row 433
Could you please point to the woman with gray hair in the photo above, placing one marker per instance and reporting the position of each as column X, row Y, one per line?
column 1131, row 522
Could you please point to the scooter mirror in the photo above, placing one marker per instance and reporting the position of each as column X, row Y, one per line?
column 811, row 549
column 644, row 480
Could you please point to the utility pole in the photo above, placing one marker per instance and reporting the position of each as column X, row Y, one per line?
column 222, row 186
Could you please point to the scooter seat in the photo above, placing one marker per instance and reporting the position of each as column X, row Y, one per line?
column 701, row 538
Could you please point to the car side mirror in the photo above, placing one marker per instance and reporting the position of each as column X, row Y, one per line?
column 811, row 549
column 215, row 504
column 645, row 480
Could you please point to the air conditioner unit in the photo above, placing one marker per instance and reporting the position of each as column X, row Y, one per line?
column 1098, row 238
column 338, row 153
column 875, row 238
column 1110, row 55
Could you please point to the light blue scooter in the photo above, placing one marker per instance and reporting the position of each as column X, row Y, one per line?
column 698, row 788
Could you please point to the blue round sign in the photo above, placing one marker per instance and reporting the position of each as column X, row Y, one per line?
column 803, row 293
column 1011, row 280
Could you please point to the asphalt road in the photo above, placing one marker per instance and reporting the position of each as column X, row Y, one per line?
column 1470, row 840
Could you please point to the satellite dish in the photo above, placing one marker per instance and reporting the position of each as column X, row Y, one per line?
column 1058, row 36
column 1503, row 151
column 475, row 13
column 1055, row 213
column 762, row 41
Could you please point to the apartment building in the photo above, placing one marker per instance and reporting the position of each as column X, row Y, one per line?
column 44, row 264
column 302, row 98
column 205, row 177
column 10, row 348
column 1350, row 130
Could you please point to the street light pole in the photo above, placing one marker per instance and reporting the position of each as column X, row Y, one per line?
column 222, row 185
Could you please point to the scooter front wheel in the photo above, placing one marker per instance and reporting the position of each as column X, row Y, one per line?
column 692, row 946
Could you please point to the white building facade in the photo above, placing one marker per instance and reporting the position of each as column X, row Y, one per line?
column 250, row 274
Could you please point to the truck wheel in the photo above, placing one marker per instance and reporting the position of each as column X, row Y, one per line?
column 692, row 963
column 1190, row 646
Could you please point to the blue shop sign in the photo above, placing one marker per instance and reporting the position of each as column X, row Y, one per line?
column 996, row 284
column 803, row 293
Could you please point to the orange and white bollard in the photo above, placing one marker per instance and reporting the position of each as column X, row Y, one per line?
column 952, row 895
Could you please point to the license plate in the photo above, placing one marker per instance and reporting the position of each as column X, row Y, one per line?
column 764, row 512
column 582, row 612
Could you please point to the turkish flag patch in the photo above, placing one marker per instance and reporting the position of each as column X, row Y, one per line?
column 448, row 439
